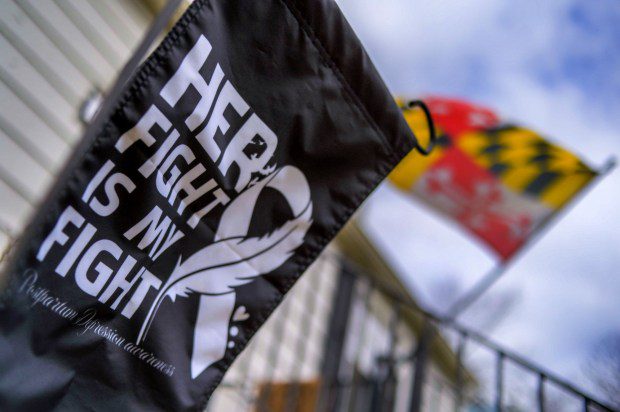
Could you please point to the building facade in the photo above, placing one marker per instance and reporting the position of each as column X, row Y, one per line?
column 341, row 341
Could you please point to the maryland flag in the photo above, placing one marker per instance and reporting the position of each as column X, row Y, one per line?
column 498, row 180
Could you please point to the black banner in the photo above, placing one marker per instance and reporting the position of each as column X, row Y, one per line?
column 238, row 151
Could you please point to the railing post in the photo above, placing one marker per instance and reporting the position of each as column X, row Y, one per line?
column 421, row 360
column 541, row 392
column 367, row 299
column 458, row 403
column 293, row 393
column 388, row 386
column 273, row 358
column 330, row 390
column 499, row 380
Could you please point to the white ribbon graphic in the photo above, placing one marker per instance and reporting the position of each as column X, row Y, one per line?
column 234, row 260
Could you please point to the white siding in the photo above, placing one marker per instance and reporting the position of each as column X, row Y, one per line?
column 53, row 54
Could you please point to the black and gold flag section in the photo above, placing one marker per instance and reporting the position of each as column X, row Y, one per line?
column 237, row 152
column 499, row 181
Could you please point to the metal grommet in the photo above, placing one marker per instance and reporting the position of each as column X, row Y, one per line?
column 431, row 126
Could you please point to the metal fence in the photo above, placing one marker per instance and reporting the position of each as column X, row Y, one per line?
column 382, row 353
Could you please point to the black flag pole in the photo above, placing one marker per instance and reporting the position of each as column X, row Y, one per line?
column 488, row 280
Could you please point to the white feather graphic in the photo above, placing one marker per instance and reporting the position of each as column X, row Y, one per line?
column 234, row 260
column 225, row 264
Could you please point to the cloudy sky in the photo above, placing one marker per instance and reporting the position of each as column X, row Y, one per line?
column 551, row 65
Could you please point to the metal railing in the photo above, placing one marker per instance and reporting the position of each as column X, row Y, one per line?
column 503, row 356
column 343, row 380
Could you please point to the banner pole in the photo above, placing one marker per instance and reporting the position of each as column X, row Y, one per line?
column 484, row 284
